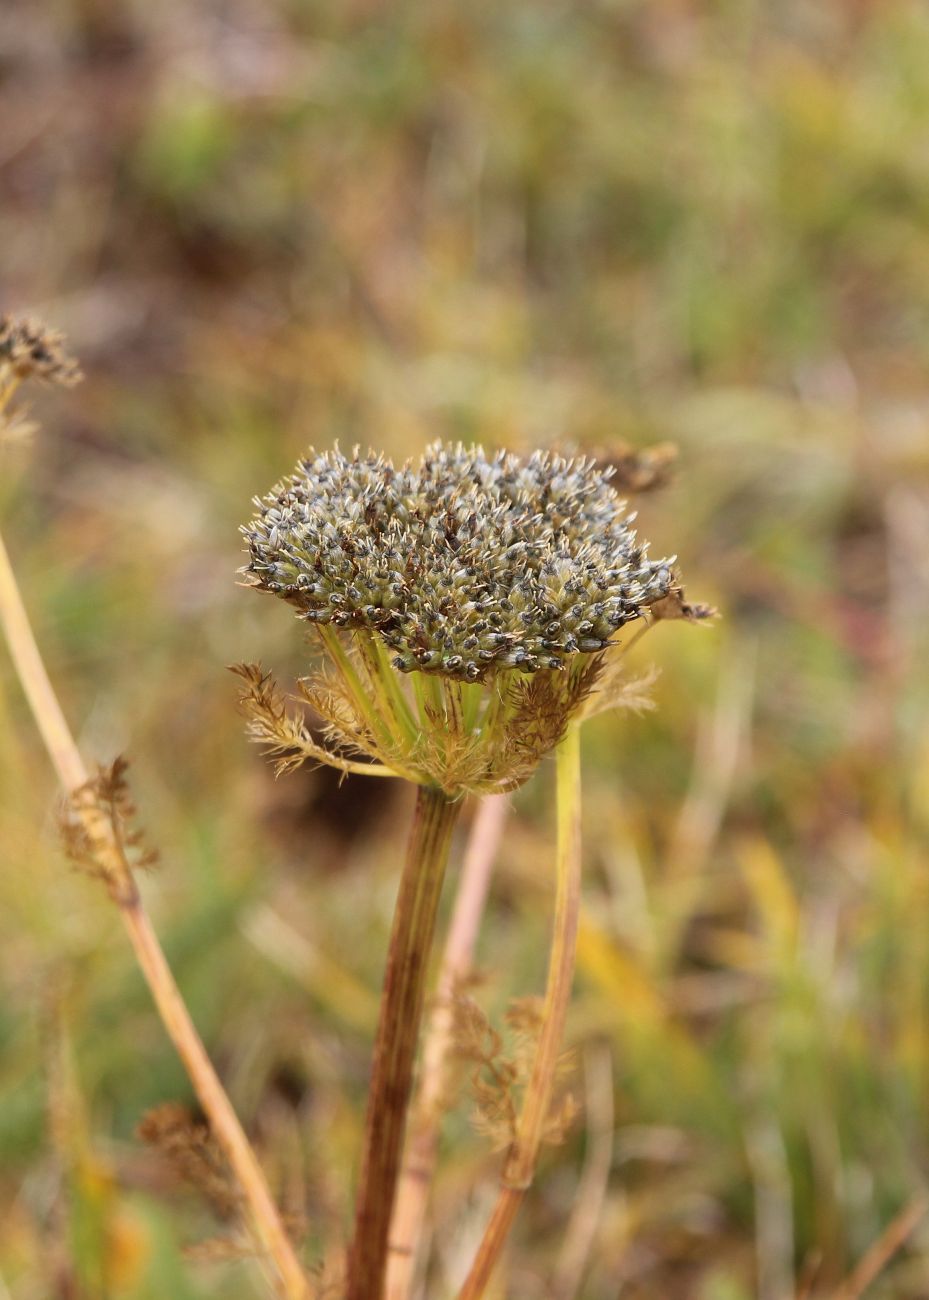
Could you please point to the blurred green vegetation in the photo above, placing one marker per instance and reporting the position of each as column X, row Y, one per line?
column 270, row 224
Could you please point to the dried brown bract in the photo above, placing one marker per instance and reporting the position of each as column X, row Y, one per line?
column 499, row 1067
column 29, row 350
column 474, row 739
column 98, row 831
column 637, row 469
column 674, row 605
column 188, row 1146
column 282, row 732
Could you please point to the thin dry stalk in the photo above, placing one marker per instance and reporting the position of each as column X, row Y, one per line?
column 73, row 775
column 397, row 1035
column 716, row 766
column 520, row 1164
column 773, row 1200
column 591, row 1192
column 406, row 1228
column 879, row 1255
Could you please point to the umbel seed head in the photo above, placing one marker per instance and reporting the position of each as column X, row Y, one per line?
column 463, row 604
column 463, row 564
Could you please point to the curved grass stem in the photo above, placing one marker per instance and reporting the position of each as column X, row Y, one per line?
column 397, row 1035
column 521, row 1159
column 266, row 1224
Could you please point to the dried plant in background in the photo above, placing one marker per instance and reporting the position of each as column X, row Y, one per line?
column 97, row 814
column 192, row 1152
column 30, row 350
column 499, row 1070
column 637, row 469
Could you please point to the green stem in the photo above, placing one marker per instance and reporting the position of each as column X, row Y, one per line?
column 496, row 708
column 362, row 698
column 434, row 697
column 521, row 1159
column 398, row 1031
column 520, row 1165
column 473, row 698
column 383, row 679
column 430, row 703
column 454, row 706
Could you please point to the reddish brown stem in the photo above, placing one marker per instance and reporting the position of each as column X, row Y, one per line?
column 397, row 1035
column 419, row 1160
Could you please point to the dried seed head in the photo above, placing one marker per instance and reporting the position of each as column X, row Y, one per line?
column 194, row 1154
column 30, row 351
column 640, row 469
column 464, row 564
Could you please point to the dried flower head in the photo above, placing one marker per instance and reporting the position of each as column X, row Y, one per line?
column 99, row 830
column 28, row 350
column 464, row 564
column 500, row 1070
column 493, row 584
column 192, row 1152
column 640, row 469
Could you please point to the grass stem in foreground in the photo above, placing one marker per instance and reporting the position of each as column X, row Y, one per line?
column 72, row 773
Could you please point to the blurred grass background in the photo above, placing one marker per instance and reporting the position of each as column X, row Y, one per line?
column 269, row 224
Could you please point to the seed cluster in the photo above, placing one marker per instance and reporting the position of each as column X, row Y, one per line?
column 464, row 564
column 30, row 350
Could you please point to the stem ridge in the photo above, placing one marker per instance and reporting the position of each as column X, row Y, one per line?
column 398, row 1031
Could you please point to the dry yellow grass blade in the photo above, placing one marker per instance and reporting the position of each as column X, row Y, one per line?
column 74, row 776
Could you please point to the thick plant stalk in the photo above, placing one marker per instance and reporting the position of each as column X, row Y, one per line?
column 72, row 773
column 419, row 1161
column 521, row 1159
column 397, row 1035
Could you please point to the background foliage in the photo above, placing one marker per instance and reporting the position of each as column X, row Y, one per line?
column 266, row 224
